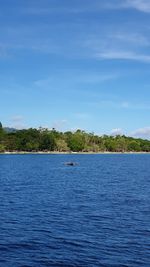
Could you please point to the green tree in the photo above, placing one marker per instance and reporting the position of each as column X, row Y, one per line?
column 76, row 141
column 134, row 146
column 120, row 144
column 61, row 145
column 47, row 142
column 2, row 148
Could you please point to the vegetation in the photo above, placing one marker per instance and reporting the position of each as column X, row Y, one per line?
column 33, row 140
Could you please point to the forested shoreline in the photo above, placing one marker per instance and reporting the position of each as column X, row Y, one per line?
column 45, row 140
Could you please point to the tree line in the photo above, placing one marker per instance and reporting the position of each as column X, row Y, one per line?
column 34, row 140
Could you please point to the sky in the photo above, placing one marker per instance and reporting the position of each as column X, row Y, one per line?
column 76, row 64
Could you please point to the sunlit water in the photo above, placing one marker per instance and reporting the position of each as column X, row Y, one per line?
column 96, row 213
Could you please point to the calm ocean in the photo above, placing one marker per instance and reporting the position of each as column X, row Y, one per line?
column 96, row 213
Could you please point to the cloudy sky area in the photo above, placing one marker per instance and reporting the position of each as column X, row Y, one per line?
column 74, row 64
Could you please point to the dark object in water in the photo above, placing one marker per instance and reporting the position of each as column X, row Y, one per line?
column 71, row 163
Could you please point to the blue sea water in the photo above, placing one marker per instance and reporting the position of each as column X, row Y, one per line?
column 96, row 213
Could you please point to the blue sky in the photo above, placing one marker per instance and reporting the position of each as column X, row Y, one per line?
column 74, row 64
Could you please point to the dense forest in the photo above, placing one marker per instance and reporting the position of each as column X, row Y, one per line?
column 33, row 140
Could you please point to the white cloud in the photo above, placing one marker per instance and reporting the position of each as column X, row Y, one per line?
column 17, row 122
column 142, row 133
column 60, row 125
column 116, row 131
column 141, row 5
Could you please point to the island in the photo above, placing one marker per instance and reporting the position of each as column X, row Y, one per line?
column 40, row 140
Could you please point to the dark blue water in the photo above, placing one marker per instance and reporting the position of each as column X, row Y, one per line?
column 96, row 213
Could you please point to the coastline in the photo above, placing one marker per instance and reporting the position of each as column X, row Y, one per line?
column 70, row 153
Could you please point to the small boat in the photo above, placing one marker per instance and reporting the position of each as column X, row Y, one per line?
column 71, row 163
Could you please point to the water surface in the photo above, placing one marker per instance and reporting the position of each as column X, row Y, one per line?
column 96, row 213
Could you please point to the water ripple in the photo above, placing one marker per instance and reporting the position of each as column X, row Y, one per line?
column 96, row 214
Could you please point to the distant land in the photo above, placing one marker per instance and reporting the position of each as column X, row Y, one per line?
column 45, row 140
column 9, row 130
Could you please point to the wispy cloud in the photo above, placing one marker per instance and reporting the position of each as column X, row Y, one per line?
column 135, row 39
column 127, row 43
column 97, row 42
column 123, row 55
column 86, row 6
column 75, row 77
column 140, row 5
column 67, row 7
column 116, row 104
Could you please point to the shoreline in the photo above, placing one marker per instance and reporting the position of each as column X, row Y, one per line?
column 70, row 153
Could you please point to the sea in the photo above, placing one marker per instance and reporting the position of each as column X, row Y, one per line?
column 94, row 213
